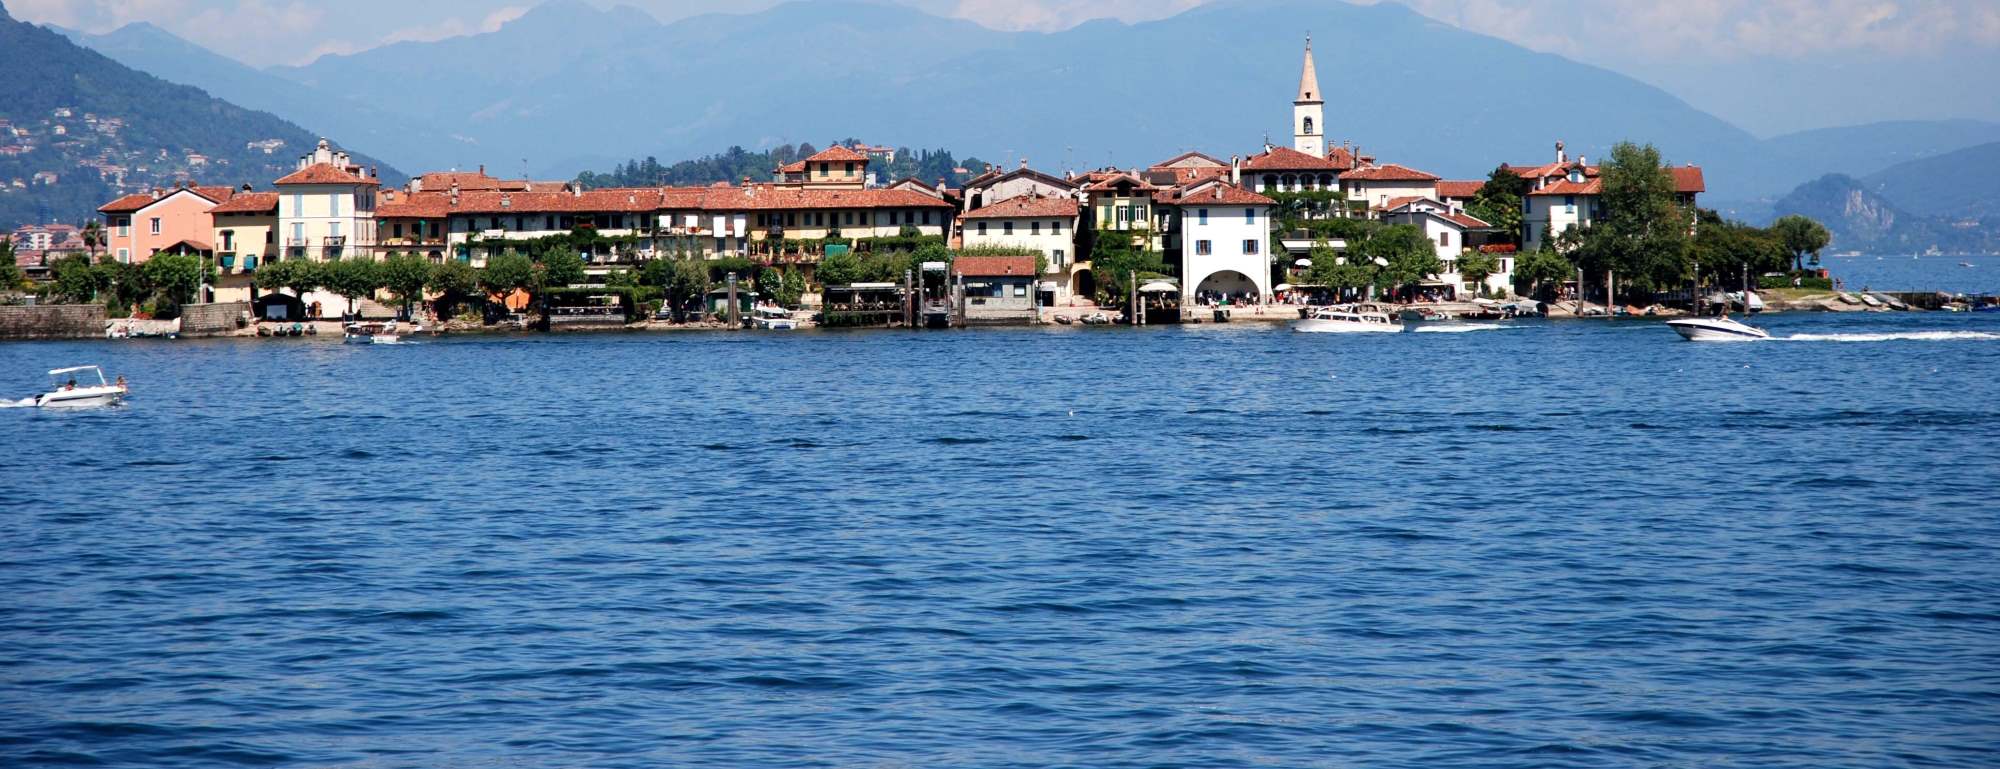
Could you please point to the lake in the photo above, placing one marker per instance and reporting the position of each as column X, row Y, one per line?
column 1560, row 544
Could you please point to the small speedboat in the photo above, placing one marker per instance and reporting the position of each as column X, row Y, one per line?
column 371, row 333
column 773, row 318
column 1721, row 329
column 1340, row 320
column 73, row 388
column 1097, row 319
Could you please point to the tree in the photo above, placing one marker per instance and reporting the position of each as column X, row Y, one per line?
column 353, row 279
column 507, row 273
column 929, row 252
column 1536, row 272
column 1116, row 256
column 406, row 277
column 175, row 277
column 10, row 273
column 128, row 283
column 1404, row 253
column 1476, row 266
column 1726, row 250
column 75, row 279
column 1498, row 202
column 1801, row 236
column 839, row 269
column 1643, row 234
column 453, row 279
column 93, row 236
column 562, row 267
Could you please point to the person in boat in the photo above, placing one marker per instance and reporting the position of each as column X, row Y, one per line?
column 121, row 381
column 71, row 385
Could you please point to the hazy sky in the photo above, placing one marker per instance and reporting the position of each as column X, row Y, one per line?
column 1810, row 62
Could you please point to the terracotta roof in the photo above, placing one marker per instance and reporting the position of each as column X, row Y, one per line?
column 1395, row 203
column 1026, row 206
column 324, row 173
column 1103, row 181
column 1467, row 221
column 1389, row 173
column 198, row 245
column 793, row 168
column 249, row 203
column 1341, row 157
column 1288, row 159
column 837, row 154
column 632, row 200
column 1459, row 189
column 416, row 205
column 1220, row 193
column 1589, row 186
column 768, row 197
column 1687, row 179
column 140, row 200
column 993, row 266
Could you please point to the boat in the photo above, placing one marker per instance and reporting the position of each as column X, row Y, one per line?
column 1893, row 302
column 1754, row 305
column 1871, row 301
column 371, row 333
column 772, row 318
column 1346, row 320
column 1429, row 314
column 1065, row 320
column 1717, row 329
column 73, row 387
column 1965, row 264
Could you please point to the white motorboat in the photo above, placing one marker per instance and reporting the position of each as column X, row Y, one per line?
column 773, row 318
column 1722, row 329
column 1341, row 320
column 73, row 388
column 371, row 333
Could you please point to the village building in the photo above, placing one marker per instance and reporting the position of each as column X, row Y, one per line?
column 1045, row 224
column 326, row 209
column 996, row 289
column 1376, row 185
column 1223, row 235
column 1452, row 232
column 1567, row 194
column 245, row 238
column 140, row 225
column 995, row 186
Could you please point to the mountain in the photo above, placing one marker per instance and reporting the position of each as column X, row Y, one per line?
column 1863, row 220
column 80, row 129
column 1955, row 184
column 155, row 51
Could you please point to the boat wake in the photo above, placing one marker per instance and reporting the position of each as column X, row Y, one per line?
column 24, row 403
column 1458, row 328
column 1912, row 336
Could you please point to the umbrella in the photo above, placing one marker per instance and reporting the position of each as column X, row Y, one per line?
column 1282, row 287
column 1303, row 263
column 1158, row 287
column 1381, row 262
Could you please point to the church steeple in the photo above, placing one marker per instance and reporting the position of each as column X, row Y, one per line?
column 1309, row 112
column 1309, row 80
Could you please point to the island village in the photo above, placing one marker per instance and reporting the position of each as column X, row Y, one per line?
column 1199, row 237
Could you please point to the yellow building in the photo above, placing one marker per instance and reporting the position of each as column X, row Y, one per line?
column 246, row 237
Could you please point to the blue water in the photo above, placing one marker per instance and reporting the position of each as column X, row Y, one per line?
column 1908, row 273
column 1564, row 544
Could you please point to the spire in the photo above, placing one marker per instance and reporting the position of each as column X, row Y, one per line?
column 1309, row 80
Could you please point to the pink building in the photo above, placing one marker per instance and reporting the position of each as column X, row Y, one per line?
column 138, row 226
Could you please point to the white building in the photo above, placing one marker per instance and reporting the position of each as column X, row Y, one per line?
column 1447, row 227
column 326, row 209
column 1225, row 240
column 1378, row 184
column 1046, row 224
column 1309, row 110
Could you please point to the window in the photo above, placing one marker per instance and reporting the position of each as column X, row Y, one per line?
column 1309, row 126
column 1034, row 228
column 333, row 229
column 1020, row 290
column 1444, row 238
column 1527, row 205
column 824, row 169
column 124, row 256
column 850, row 168
column 1055, row 227
column 298, row 204
column 229, row 240
column 847, row 218
column 124, row 227
column 718, row 245
column 396, row 230
column 1249, row 216
column 1203, row 248
column 549, row 222
column 156, row 225
column 333, row 204
column 1006, row 228
column 930, row 217
column 982, row 228
column 1058, row 260
column 298, row 233
column 1201, row 216
column 1251, row 247
column 520, row 223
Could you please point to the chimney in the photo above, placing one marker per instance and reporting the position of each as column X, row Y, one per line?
column 506, row 200
column 1024, row 164
column 576, row 192
column 482, row 169
column 1235, row 169
column 246, row 186
column 1561, row 156
column 746, row 180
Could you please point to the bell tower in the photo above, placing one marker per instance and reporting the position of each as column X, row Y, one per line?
column 1309, row 111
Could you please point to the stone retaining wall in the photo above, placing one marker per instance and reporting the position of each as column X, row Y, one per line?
column 218, row 318
column 52, row 321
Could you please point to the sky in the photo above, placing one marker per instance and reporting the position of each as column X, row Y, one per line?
column 1767, row 65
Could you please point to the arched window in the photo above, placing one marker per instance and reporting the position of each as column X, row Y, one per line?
column 1270, row 181
column 1309, row 126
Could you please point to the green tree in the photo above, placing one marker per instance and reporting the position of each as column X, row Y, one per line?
column 175, row 277
column 75, row 280
column 10, row 273
column 129, row 284
column 406, row 277
column 1116, row 256
column 1727, row 251
column 929, row 252
column 1537, row 273
column 562, row 267
column 93, row 236
column 839, row 270
column 1498, row 202
column 1476, row 266
column 1644, row 232
column 454, row 279
column 353, row 279
column 1801, row 236
column 1404, row 253
column 507, row 273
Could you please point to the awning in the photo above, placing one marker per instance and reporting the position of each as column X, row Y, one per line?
column 1049, row 285
column 1158, row 287
column 1282, row 287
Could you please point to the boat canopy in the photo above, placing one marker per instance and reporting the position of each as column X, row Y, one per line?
column 72, row 370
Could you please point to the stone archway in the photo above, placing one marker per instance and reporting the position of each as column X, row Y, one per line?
column 1229, row 283
column 1083, row 285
